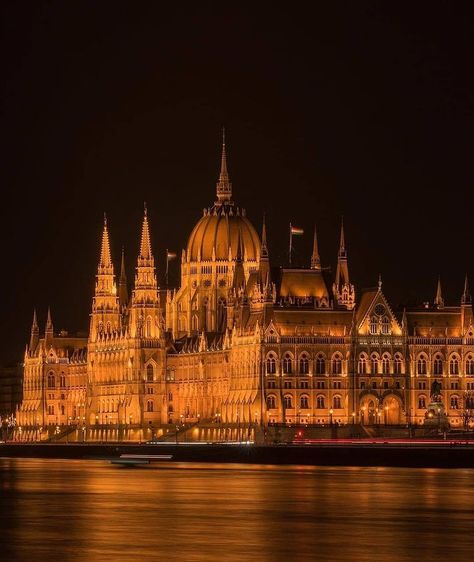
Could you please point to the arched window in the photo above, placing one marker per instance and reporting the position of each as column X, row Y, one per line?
column 108, row 327
column 287, row 401
column 221, row 314
column 469, row 365
column 386, row 325
column 374, row 364
column 63, row 409
column 337, row 364
column 150, row 372
column 271, row 365
column 336, row 402
column 304, row 401
column 385, row 365
column 271, row 402
column 362, row 365
column 287, row 365
column 62, row 381
column 170, row 397
column 304, row 365
column 194, row 322
column 454, row 365
column 320, row 365
column 397, row 365
column 373, row 325
column 51, row 380
column 421, row 402
column 454, row 402
column 148, row 326
column 149, row 406
column 320, row 403
column 421, row 365
column 438, row 365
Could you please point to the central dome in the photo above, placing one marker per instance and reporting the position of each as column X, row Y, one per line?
column 223, row 227
column 218, row 230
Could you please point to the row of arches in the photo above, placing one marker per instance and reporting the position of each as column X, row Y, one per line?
column 438, row 364
column 304, row 402
column 304, row 365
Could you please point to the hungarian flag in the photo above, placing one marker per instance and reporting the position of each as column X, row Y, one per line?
column 170, row 256
column 295, row 231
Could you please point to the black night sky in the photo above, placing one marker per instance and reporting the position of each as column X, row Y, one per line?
column 361, row 109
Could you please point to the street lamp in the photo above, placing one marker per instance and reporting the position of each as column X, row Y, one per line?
column 353, row 418
column 331, row 411
column 386, row 414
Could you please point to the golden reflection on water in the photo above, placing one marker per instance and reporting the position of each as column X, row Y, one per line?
column 92, row 511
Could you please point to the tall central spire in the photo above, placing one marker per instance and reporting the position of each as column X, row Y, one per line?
column 224, row 185
column 145, row 245
column 105, row 262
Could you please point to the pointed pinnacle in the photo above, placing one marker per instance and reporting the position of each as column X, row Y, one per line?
column 439, row 296
column 145, row 245
column 315, row 259
column 342, row 243
column 49, row 322
column 105, row 259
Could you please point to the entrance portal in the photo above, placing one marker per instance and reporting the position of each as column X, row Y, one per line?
column 392, row 410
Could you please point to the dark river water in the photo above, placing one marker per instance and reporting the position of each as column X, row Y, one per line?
column 91, row 511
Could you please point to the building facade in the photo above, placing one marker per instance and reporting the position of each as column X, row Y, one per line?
column 244, row 341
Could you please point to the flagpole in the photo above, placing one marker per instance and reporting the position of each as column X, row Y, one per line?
column 167, row 262
column 290, row 248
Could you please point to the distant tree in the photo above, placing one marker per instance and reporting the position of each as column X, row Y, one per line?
column 467, row 409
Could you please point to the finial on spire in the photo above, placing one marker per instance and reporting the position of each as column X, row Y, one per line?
column 105, row 218
column 315, row 259
column 439, row 301
column 224, row 185
column 145, row 210
column 380, row 281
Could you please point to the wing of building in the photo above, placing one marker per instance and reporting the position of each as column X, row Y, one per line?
column 244, row 341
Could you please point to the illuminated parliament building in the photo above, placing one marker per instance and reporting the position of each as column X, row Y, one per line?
column 244, row 341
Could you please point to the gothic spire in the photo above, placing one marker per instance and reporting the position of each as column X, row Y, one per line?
column 224, row 185
column 49, row 322
column 145, row 245
column 34, row 324
column 342, row 243
column 439, row 301
column 105, row 257
column 34, row 333
column 315, row 259
column 466, row 296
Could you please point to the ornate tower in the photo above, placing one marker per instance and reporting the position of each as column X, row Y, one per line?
column 145, row 314
column 105, row 317
column 344, row 293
